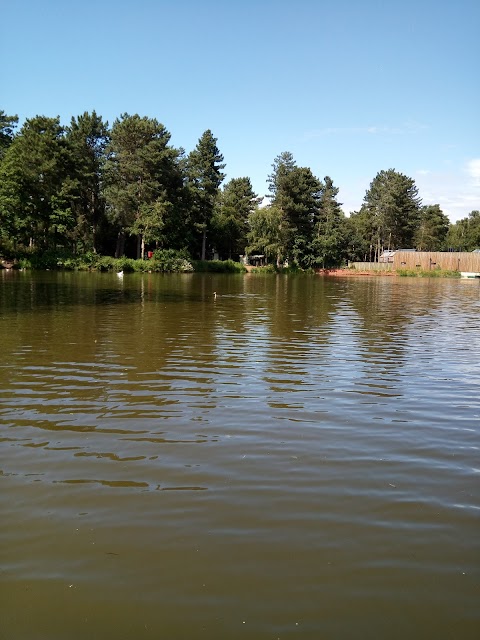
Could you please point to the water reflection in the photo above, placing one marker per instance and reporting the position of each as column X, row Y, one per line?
column 287, row 451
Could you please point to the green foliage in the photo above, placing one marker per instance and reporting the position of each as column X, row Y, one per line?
column 51, row 259
column 267, row 233
column 170, row 260
column 7, row 126
column 282, row 165
column 298, row 195
column 107, row 263
column 87, row 138
column 432, row 230
column 204, row 177
column 391, row 211
column 71, row 196
column 358, row 230
column 330, row 233
column 235, row 204
column 267, row 269
column 35, row 187
column 141, row 177
column 305, row 224
column 165, row 261
column 464, row 235
column 432, row 273
column 218, row 266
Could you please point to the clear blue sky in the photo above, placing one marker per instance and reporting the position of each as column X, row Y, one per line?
column 350, row 87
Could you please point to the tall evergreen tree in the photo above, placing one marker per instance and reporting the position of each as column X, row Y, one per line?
column 392, row 208
column 282, row 164
column 34, row 185
column 236, row 203
column 329, row 241
column 139, row 172
column 88, row 137
column 204, row 177
column 298, row 194
column 176, row 232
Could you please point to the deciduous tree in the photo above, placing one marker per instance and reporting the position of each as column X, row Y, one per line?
column 432, row 230
column 464, row 235
column 267, row 233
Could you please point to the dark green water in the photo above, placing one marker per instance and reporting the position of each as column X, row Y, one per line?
column 297, row 458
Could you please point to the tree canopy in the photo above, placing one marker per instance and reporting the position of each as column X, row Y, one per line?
column 7, row 127
column 391, row 211
column 120, row 189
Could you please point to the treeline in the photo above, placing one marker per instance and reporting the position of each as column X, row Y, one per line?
column 125, row 190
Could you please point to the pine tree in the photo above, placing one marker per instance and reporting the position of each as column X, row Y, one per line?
column 329, row 241
column 7, row 127
column 34, row 185
column 87, row 137
column 283, row 164
column 204, row 177
column 297, row 196
column 139, row 173
column 392, row 208
column 235, row 204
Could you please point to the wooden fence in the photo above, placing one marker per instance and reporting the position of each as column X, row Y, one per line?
column 445, row 260
column 372, row 266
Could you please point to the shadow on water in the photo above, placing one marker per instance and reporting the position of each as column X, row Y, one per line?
column 23, row 291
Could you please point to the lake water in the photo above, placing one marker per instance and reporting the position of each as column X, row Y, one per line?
column 295, row 458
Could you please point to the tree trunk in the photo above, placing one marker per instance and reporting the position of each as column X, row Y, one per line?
column 94, row 224
column 119, row 249
column 204, row 244
column 140, row 246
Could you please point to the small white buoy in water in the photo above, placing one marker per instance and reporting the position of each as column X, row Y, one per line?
column 214, row 295
column 120, row 274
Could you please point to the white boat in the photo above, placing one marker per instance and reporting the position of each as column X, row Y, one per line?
column 469, row 274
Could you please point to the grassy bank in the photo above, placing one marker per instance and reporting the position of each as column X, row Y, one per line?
column 428, row 273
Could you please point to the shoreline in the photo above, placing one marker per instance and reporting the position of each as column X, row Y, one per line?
column 354, row 273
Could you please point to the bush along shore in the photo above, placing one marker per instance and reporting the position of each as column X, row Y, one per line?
column 173, row 261
column 162, row 261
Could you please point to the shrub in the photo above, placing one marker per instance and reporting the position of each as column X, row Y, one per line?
column 218, row 266
column 170, row 260
column 268, row 268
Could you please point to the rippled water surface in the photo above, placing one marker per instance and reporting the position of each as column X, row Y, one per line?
column 297, row 458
